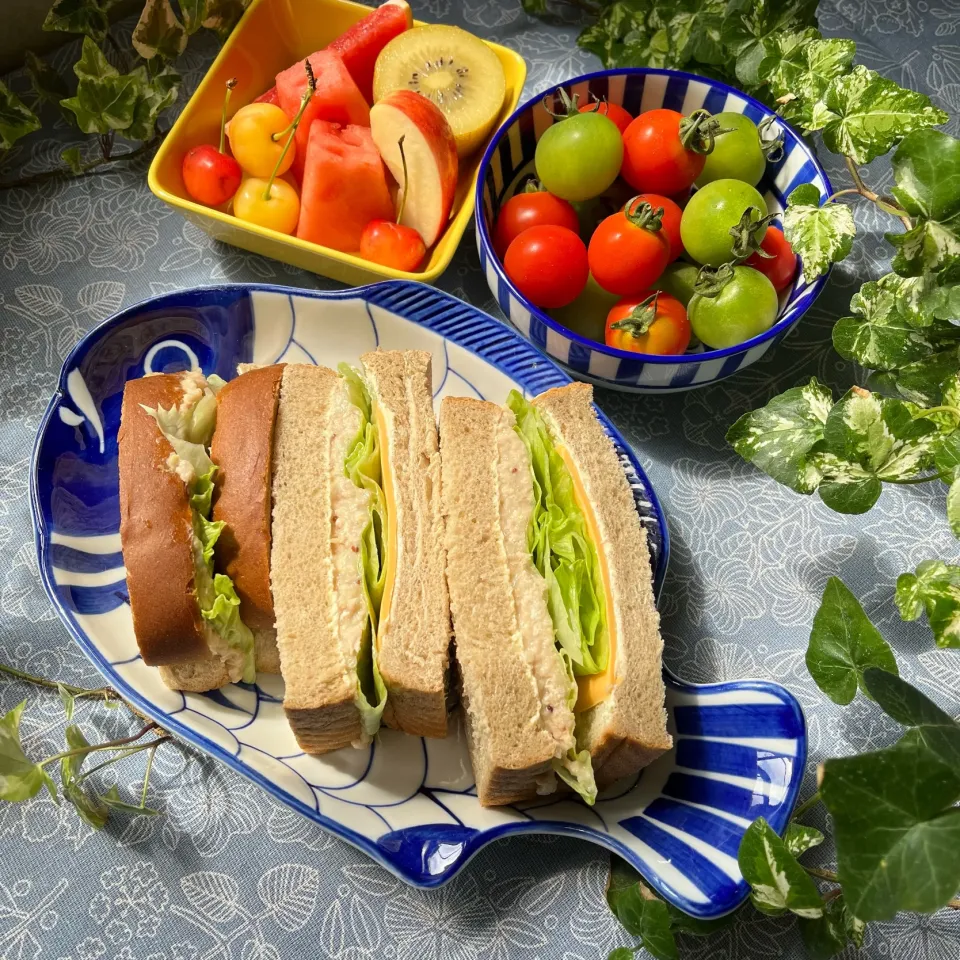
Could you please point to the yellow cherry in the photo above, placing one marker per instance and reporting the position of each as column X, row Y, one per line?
column 258, row 134
column 272, row 205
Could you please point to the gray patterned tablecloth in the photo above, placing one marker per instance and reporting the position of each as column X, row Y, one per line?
column 749, row 564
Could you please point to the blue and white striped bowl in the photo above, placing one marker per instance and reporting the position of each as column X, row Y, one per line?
column 509, row 160
column 411, row 804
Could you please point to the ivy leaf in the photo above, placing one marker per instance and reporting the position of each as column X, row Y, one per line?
column 933, row 727
column 803, row 64
column 158, row 32
column 222, row 16
column 93, row 65
column 644, row 917
column 825, row 936
column 66, row 698
column 16, row 118
column 820, row 234
column 154, row 95
column 748, row 24
column 862, row 114
column 70, row 766
column 897, row 832
column 47, row 83
column 20, row 777
column 953, row 507
column 88, row 17
column 619, row 953
column 925, row 298
column 934, row 588
column 778, row 438
column 799, row 838
column 73, row 159
column 843, row 644
column 194, row 12
column 777, row 882
column 920, row 382
column 89, row 807
column 105, row 100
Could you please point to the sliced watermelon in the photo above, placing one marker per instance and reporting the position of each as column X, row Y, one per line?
column 271, row 96
column 337, row 99
column 344, row 186
column 361, row 44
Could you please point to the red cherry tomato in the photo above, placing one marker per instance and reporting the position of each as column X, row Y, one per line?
column 211, row 177
column 548, row 265
column 627, row 253
column 782, row 268
column 392, row 245
column 649, row 323
column 654, row 158
column 670, row 223
column 621, row 117
column 525, row 210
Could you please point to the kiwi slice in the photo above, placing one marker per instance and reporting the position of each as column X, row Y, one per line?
column 454, row 69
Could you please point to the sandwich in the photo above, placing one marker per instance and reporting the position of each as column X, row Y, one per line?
column 556, row 631
column 186, row 617
column 314, row 521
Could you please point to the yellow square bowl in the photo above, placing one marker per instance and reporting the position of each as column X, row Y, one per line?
column 272, row 35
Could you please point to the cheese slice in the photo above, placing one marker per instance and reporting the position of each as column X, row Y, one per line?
column 390, row 535
column 597, row 687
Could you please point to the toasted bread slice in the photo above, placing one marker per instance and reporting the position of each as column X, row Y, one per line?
column 413, row 636
column 627, row 729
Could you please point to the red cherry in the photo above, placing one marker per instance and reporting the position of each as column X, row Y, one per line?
column 211, row 177
column 392, row 245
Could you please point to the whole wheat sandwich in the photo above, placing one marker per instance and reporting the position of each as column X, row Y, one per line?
column 556, row 632
column 328, row 530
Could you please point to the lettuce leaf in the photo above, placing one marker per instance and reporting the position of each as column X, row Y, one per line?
column 562, row 550
column 223, row 614
column 362, row 466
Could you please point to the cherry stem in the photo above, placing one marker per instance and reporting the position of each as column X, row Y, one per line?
column 231, row 83
column 403, row 186
column 645, row 216
column 640, row 318
column 304, row 100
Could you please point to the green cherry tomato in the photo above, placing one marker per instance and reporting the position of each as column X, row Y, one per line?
column 745, row 307
column 709, row 216
column 579, row 156
column 678, row 280
column 587, row 315
column 736, row 155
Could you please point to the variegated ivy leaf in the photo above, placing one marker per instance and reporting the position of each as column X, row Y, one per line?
column 88, row 17
column 16, row 118
column 778, row 438
column 47, row 83
column 953, row 507
column 799, row 838
column 862, row 114
column 819, row 234
column 777, row 882
column 934, row 588
column 194, row 12
column 926, row 168
column 801, row 65
column 222, row 15
column 93, row 65
column 826, row 936
column 105, row 100
column 925, row 298
column 154, row 95
column 159, row 32
column 920, row 381
column 20, row 777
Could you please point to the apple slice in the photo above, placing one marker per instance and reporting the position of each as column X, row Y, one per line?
column 431, row 153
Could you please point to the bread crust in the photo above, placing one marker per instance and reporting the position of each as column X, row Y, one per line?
column 628, row 730
column 242, row 449
column 414, row 638
column 156, row 530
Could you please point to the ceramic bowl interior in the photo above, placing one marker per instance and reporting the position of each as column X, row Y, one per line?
column 272, row 35
column 509, row 162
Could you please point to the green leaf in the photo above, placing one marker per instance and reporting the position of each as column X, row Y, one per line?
column 854, row 927
column 819, row 234
column 154, row 95
column 47, row 83
column 88, row 17
column 750, row 22
column 926, row 168
column 920, row 382
column 113, row 800
column 844, row 643
column 105, row 100
column 935, row 728
column 222, row 16
column 825, row 936
column 89, row 807
column 194, row 12
column 930, row 245
column 16, row 118
column 20, row 777
column 73, row 159
column 953, row 507
column 881, row 335
column 159, row 32
column 935, row 588
column 66, row 698
column 802, row 64
column 799, row 838
column 777, row 882
column 619, row 953
column 93, row 65
column 70, row 766
column 862, row 114
column 896, row 830
column 778, row 438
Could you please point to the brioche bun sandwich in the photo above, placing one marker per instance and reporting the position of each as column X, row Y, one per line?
column 557, row 634
column 319, row 497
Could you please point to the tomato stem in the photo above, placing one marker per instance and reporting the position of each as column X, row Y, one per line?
column 641, row 317
column 304, row 100
column 403, row 186
column 772, row 149
column 645, row 216
column 748, row 234
column 699, row 131
column 231, row 83
column 711, row 280
column 569, row 104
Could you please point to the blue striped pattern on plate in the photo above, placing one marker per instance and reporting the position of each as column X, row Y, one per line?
column 409, row 803
column 508, row 161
